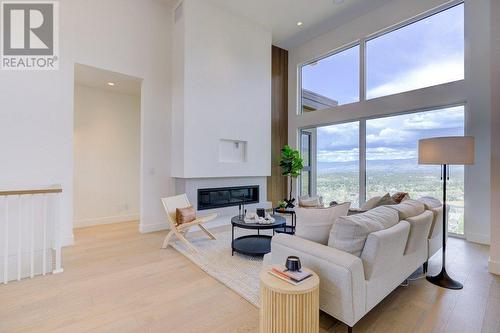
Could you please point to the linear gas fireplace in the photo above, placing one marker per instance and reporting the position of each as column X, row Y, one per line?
column 209, row 198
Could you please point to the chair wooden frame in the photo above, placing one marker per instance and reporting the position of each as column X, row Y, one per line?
column 180, row 201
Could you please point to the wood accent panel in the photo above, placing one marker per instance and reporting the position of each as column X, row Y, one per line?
column 277, row 184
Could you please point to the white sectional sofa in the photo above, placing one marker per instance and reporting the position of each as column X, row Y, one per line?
column 367, row 255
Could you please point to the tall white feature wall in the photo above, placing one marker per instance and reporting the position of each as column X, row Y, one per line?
column 474, row 91
column 36, row 127
column 222, row 94
column 107, row 156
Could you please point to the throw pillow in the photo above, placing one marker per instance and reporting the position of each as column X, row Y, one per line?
column 370, row 204
column 314, row 224
column 386, row 200
column 310, row 202
column 185, row 215
column 400, row 196
column 349, row 233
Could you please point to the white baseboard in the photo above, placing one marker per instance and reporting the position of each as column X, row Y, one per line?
column 105, row 220
column 478, row 238
column 494, row 266
column 144, row 229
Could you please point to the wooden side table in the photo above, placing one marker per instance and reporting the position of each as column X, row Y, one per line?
column 286, row 308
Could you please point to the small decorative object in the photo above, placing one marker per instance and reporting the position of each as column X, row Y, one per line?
column 333, row 203
column 261, row 212
column 291, row 165
column 281, row 204
column 254, row 218
column 293, row 264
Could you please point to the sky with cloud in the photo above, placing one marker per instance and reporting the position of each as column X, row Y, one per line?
column 426, row 53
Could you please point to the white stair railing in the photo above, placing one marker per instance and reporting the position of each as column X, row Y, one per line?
column 30, row 233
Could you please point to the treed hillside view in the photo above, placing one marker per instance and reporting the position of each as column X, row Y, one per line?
column 339, row 182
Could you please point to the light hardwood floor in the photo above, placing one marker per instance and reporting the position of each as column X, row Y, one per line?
column 117, row 280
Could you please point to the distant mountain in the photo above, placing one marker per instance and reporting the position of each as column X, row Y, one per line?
column 397, row 166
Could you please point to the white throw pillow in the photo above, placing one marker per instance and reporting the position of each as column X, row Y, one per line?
column 349, row 233
column 314, row 224
column 307, row 201
column 370, row 204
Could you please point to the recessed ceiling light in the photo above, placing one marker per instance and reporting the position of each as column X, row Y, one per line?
column 299, row 23
column 111, row 84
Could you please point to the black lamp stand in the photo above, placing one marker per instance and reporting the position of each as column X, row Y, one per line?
column 443, row 279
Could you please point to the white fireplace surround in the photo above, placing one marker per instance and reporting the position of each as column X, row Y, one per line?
column 190, row 186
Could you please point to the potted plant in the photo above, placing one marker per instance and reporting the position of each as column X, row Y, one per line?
column 281, row 205
column 291, row 165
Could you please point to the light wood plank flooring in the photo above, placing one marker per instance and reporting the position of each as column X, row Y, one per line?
column 117, row 280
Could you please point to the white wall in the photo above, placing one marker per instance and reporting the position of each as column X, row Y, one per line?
column 106, row 156
column 475, row 90
column 494, row 265
column 36, row 131
column 222, row 90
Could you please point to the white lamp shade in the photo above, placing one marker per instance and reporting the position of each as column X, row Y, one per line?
column 446, row 150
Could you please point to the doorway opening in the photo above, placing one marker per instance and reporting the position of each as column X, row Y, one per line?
column 107, row 147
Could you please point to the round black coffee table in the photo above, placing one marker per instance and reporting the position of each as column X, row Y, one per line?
column 254, row 245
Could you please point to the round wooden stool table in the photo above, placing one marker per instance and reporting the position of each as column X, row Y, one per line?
column 286, row 308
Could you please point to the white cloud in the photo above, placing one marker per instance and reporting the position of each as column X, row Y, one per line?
column 445, row 118
column 388, row 136
column 450, row 69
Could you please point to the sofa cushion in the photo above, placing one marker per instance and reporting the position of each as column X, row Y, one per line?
column 430, row 202
column 314, row 224
column 349, row 233
column 408, row 208
column 420, row 226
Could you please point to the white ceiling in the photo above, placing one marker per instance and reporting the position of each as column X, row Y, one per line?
column 99, row 78
column 281, row 16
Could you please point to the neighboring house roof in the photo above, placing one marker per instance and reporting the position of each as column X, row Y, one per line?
column 312, row 101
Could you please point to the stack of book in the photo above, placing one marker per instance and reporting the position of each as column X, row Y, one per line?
column 294, row 278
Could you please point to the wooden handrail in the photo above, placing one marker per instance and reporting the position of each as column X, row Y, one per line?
column 36, row 191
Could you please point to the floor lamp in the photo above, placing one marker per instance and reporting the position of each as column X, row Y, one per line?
column 446, row 151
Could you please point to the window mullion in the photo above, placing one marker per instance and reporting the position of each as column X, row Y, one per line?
column 362, row 69
column 362, row 162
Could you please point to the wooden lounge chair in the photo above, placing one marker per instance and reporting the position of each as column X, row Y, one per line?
column 179, row 230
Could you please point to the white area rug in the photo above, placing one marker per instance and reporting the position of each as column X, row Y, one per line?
column 239, row 272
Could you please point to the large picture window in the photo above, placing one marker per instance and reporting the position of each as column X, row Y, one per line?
column 390, row 157
column 392, row 164
column 369, row 148
column 421, row 54
column 330, row 81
